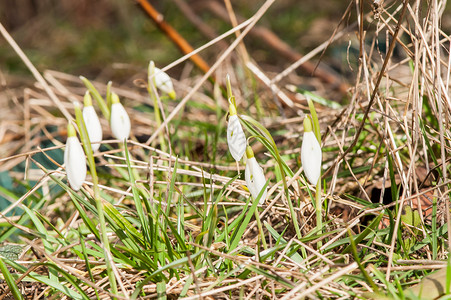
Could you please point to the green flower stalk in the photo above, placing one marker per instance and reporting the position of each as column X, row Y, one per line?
column 99, row 205
column 311, row 157
column 92, row 123
column 104, row 107
column 74, row 159
column 163, row 82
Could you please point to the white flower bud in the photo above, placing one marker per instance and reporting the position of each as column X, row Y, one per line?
column 255, row 179
column 74, row 159
column 236, row 138
column 162, row 80
column 119, row 119
column 92, row 123
column 311, row 155
column 164, row 83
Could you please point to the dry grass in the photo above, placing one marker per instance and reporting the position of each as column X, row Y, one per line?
column 386, row 149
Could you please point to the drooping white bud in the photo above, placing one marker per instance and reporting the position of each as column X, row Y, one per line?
column 162, row 80
column 255, row 178
column 119, row 119
column 92, row 123
column 311, row 154
column 236, row 138
column 74, row 159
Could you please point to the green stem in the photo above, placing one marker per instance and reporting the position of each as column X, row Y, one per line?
column 253, row 126
column 260, row 228
column 290, row 205
column 100, row 102
column 152, row 90
column 361, row 267
column 319, row 217
column 95, row 181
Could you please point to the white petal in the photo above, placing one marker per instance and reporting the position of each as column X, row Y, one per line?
column 163, row 81
column 75, row 162
column 236, row 138
column 311, row 157
column 119, row 122
column 255, row 179
column 92, row 126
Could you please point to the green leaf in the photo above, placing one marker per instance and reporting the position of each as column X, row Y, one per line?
column 319, row 99
column 175, row 264
column 10, row 280
column 271, row 276
column 295, row 255
column 373, row 225
column 238, row 233
column 315, row 121
column 137, row 199
column 161, row 290
column 55, row 284
column 100, row 102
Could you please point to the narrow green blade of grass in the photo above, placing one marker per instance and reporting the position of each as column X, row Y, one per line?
column 95, row 93
column 365, row 274
column 161, row 290
column 318, row 99
column 393, row 291
column 37, row 204
column 400, row 290
column 10, row 280
column 186, row 287
column 315, row 121
column 360, row 237
column 108, row 94
column 272, row 277
column 133, row 236
column 171, row 188
column 137, row 199
column 237, row 235
column 434, row 233
column 47, row 281
column 144, row 261
column 294, row 256
column 235, row 223
column 41, row 229
column 86, row 259
column 210, row 222
column 179, row 239
column 71, row 279
column 266, row 139
column 175, row 264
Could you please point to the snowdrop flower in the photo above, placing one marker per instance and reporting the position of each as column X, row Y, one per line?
column 119, row 120
column 74, row 159
column 92, row 123
column 255, row 179
column 235, row 135
column 311, row 154
column 162, row 80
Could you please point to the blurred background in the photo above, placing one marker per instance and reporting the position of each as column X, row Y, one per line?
column 110, row 38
